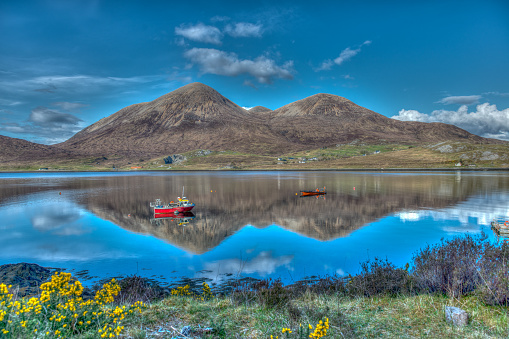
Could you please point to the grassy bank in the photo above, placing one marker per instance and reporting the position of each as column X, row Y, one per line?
column 448, row 155
column 381, row 301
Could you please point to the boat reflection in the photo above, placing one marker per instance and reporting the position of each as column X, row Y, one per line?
column 316, row 192
column 501, row 229
column 182, row 219
column 316, row 196
column 226, row 203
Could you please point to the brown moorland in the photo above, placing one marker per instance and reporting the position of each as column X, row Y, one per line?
column 196, row 117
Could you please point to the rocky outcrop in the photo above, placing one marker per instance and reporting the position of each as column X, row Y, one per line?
column 25, row 278
column 174, row 159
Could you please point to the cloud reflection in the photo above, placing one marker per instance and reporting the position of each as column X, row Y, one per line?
column 59, row 220
column 478, row 208
column 263, row 264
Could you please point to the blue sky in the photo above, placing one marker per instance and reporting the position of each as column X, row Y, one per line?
column 66, row 64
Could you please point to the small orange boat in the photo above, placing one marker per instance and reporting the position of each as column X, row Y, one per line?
column 318, row 191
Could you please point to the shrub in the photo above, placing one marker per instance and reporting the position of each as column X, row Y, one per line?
column 449, row 267
column 135, row 288
column 378, row 277
column 494, row 274
column 60, row 311
column 268, row 292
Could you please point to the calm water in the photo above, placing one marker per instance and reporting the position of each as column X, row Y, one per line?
column 244, row 224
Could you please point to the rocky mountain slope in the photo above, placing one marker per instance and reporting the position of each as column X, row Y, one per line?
column 196, row 116
column 192, row 117
column 325, row 119
column 17, row 150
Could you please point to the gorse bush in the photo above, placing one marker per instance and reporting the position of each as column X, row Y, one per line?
column 319, row 331
column 185, row 291
column 60, row 311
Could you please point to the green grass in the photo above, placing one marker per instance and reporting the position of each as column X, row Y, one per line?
column 346, row 151
column 349, row 317
column 439, row 155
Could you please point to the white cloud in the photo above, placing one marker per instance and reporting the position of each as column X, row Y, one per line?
column 48, row 126
column 200, row 33
column 345, row 55
column 73, row 83
column 180, row 77
column 486, row 121
column 460, row 100
column 218, row 62
column 498, row 94
column 69, row 106
column 244, row 29
column 249, row 84
column 7, row 102
column 325, row 66
column 349, row 53
column 219, row 18
column 45, row 117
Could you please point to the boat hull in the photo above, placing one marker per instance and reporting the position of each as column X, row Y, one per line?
column 174, row 216
column 308, row 193
column 167, row 210
column 500, row 228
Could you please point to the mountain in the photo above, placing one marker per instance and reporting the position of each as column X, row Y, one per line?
column 192, row 117
column 260, row 110
column 326, row 119
column 14, row 150
column 198, row 117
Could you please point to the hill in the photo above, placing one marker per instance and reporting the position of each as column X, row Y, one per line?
column 325, row 119
column 18, row 150
column 260, row 109
column 196, row 117
column 192, row 117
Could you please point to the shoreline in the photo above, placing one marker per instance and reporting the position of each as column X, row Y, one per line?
column 446, row 169
column 381, row 300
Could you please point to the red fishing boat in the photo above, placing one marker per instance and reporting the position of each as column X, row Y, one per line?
column 318, row 191
column 182, row 205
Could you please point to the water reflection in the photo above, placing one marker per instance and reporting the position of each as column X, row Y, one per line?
column 226, row 203
column 239, row 201
column 181, row 219
column 254, row 223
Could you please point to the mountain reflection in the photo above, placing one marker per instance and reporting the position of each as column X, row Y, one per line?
column 225, row 203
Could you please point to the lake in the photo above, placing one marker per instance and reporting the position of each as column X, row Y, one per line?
column 244, row 224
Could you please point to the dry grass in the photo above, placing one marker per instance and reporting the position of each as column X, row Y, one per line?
column 441, row 155
column 388, row 317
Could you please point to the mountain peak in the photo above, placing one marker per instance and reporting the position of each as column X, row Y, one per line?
column 196, row 86
column 196, row 116
column 323, row 104
column 260, row 109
